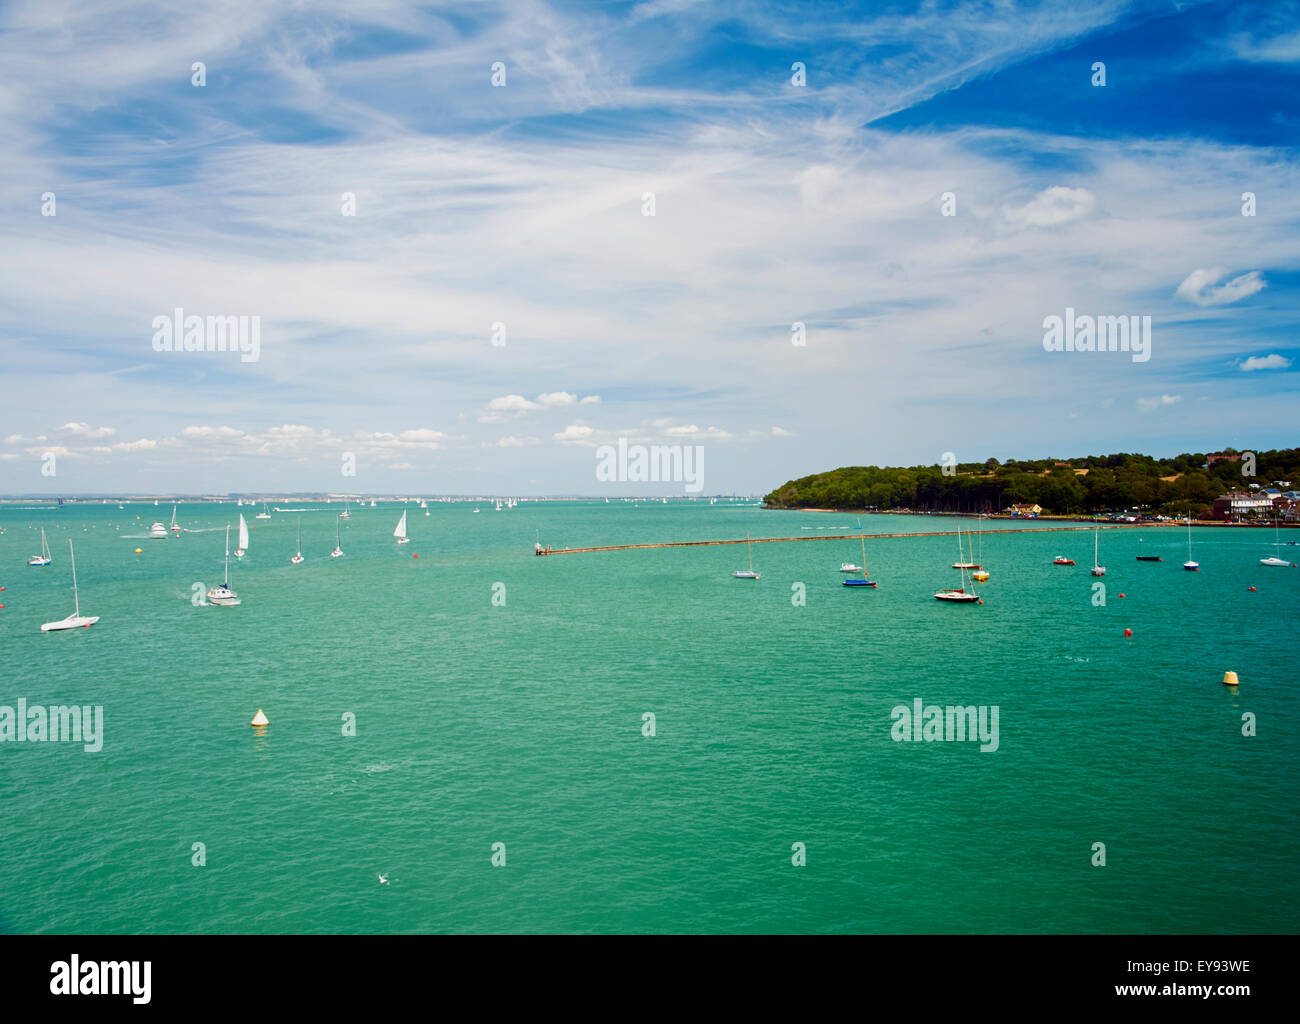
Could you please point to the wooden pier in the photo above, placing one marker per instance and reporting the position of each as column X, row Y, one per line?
column 844, row 536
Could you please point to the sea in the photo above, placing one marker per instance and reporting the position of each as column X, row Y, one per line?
column 637, row 741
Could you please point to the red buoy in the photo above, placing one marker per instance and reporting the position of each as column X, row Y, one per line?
column 1121, row 595
column 1128, row 632
column 981, row 600
column 415, row 556
column 1250, row 588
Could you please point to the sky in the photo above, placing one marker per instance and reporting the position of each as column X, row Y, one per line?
column 469, row 288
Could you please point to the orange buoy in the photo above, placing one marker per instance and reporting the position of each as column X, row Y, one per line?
column 1128, row 632
column 259, row 719
column 1230, row 679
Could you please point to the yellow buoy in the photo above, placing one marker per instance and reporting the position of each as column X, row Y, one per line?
column 1230, row 679
column 137, row 551
column 259, row 718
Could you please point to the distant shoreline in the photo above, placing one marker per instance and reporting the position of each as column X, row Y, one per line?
column 1003, row 517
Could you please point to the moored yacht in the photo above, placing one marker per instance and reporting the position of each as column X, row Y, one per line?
column 44, row 557
column 76, row 618
column 221, row 594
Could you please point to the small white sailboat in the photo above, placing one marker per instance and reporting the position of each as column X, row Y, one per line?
column 1277, row 546
column 1189, row 565
column 960, row 595
column 76, row 618
column 243, row 538
column 175, row 527
column 979, row 574
column 372, row 502
column 44, row 557
column 221, row 595
column 338, row 543
column 264, row 514
column 347, row 511
column 157, row 532
column 747, row 574
column 297, row 559
column 1097, row 568
column 400, row 532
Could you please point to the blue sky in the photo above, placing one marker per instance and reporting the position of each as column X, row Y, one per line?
column 522, row 205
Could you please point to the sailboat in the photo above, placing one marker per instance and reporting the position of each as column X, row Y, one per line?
column 961, row 595
column 264, row 514
column 980, row 574
column 297, row 559
column 864, row 582
column 76, row 618
column 1189, row 565
column 1097, row 568
column 747, row 574
column 221, row 594
column 959, row 564
column 346, row 513
column 243, row 538
column 338, row 543
column 400, row 532
column 176, row 527
column 44, row 557
column 1277, row 546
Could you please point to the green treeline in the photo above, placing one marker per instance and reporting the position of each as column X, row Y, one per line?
column 1112, row 483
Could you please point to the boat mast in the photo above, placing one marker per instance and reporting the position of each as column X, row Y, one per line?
column 76, row 602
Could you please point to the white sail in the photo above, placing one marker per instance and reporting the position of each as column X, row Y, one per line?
column 243, row 534
column 400, row 532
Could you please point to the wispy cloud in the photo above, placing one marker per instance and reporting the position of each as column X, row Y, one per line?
column 1202, row 288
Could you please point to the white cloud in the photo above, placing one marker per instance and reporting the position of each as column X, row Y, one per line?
column 1149, row 404
column 87, row 431
column 1054, row 206
column 1271, row 362
column 575, row 434
column 511, row 442
column 1200, row 287
column 511, row 406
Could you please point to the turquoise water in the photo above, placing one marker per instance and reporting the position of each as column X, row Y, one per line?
column 522, row 724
